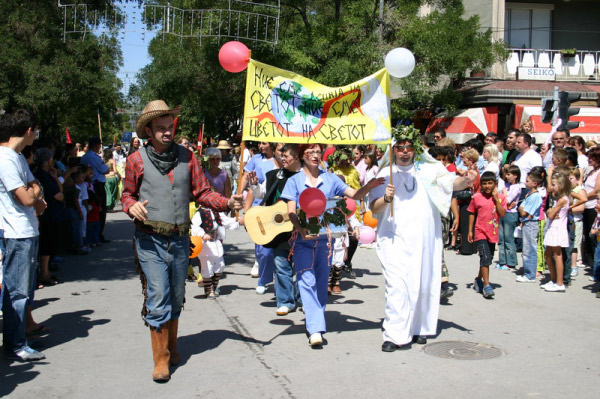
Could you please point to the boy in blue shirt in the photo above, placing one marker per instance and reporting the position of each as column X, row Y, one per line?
column 530, row 214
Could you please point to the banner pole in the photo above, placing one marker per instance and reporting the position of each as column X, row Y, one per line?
column 391, row 178
column 240, row 175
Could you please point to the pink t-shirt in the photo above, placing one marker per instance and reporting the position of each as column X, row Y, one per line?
column 486, row 223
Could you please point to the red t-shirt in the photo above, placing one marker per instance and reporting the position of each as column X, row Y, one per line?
column 486, row 223
column 451, row 167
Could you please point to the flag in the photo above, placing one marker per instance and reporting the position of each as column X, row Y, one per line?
column 69, row 141
column 200, row 135
column 282, row 106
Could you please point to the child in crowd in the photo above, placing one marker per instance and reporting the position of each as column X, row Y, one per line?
column 340, row 252
column 93, row 220
column 542, row 189
column 530, row 214
column 211, row 227
column 487, row 206
column 79, row 180
column 595, row 231
column 72, row 195
column 557, row 235
column 507, row 249
column 577, row 215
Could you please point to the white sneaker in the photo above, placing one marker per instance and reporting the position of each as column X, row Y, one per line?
column 315, row 339
column 260, row 289
column 592, row 278
column 548, row 284
column 283, row 310
column 254, row 271
column 555, row 288
column 525, row 279
column 574, row 272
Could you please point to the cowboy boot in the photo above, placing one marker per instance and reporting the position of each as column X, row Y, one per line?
column 160, row 353
column 174, row 359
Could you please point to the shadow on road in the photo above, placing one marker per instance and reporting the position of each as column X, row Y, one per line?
column 446, row 325
column 14, row 374
column 195, row 344
column 66, row 327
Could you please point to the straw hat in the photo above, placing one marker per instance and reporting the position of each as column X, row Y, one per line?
column 224, row 145
column 153, row 110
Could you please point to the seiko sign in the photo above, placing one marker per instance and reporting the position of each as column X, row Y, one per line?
column 529, row 73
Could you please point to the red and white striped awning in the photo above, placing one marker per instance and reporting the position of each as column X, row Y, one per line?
column 466, row 124
column 589, row 128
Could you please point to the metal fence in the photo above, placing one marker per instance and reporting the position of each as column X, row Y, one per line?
column 582, row 65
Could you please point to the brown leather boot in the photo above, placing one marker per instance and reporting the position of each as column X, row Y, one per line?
column 160, row 353
column 173, row 324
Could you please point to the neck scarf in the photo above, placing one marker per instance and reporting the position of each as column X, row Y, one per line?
column 164, row 161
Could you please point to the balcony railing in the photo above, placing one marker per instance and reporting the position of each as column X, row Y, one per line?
column 583, row 65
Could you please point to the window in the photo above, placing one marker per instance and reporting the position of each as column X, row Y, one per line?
column 528, row 25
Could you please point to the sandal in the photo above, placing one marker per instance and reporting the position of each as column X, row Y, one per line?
column 39, row 330
column 49, row 282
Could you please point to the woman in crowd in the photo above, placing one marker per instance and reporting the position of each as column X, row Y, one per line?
column 311, row 252
column 49, row 240
column 358, row 153
column 591, row 185
column 135, row 145
column 217, row 177
column 112, row 180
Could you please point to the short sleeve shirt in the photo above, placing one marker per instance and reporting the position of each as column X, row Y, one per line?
column 18, row 220
column 329, row 183
column 526, row 162
column 532, row 204
column 487, row 222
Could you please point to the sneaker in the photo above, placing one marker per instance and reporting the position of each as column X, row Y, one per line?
column 574, row 272
column 216, row 291
column 260, row 289
column 504, row 267
column 58, row 259
column 555, row 288
column 488, row 291
column 283, row 310
column 86, row 249
column 525, row 279
column 548, row 284
column 446, row 293
column 592, row 278
column 478, row 285
column 26, row 354
column 497, row 266
column 254, row 271
column 315, row 339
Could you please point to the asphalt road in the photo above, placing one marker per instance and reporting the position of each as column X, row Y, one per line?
column 235, row 346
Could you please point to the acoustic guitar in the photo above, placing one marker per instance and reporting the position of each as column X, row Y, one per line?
column 264, row 223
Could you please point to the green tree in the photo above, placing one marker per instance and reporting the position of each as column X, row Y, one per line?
column 65, row 83
column 333, row 42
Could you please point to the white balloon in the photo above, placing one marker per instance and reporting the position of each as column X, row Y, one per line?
column 400, row 62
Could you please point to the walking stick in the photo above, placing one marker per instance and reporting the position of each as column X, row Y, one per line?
column 391, row 180
column 240, row 175
column 99, row 126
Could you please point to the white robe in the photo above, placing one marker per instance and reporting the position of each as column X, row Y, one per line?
column 211, row 256
column 410, row 245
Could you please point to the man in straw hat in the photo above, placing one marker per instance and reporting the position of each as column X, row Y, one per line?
column 159, row 181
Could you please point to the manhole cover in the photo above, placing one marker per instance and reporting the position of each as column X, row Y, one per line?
column 463, row 350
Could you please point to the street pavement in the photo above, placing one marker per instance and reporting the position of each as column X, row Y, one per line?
column 235, row 346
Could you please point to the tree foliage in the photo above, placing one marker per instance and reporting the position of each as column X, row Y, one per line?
column 333, row 42
column 65, row 83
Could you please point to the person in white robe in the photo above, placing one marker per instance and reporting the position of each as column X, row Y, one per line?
column 419, row 192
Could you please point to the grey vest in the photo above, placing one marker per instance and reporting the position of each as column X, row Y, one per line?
column 167, row 203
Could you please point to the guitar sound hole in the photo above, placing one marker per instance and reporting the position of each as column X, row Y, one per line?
column 278, row 218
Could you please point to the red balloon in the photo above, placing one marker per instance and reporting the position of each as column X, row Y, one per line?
column 312, row 202
column 234, row 56
column 351, row 205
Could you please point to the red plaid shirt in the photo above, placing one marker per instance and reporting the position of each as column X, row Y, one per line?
column 199, row 185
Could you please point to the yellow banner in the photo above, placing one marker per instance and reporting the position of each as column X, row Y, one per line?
column 284, row 107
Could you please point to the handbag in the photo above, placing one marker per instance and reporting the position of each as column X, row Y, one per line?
column 463, row 195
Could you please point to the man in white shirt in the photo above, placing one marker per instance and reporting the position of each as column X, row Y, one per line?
column 527, row 158
column 20, row 200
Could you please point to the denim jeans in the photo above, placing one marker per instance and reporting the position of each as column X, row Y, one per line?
column 530, row 238
column 75, row 227
column 312, row 263
column 92, row 235
column 507, row 249
column 265, row 259
column 17, row 287
column 596, row 270
column 286, row 291
column 164, row 261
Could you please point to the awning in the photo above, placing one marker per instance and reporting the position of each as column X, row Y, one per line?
column 466, row 124
column 589, row 128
